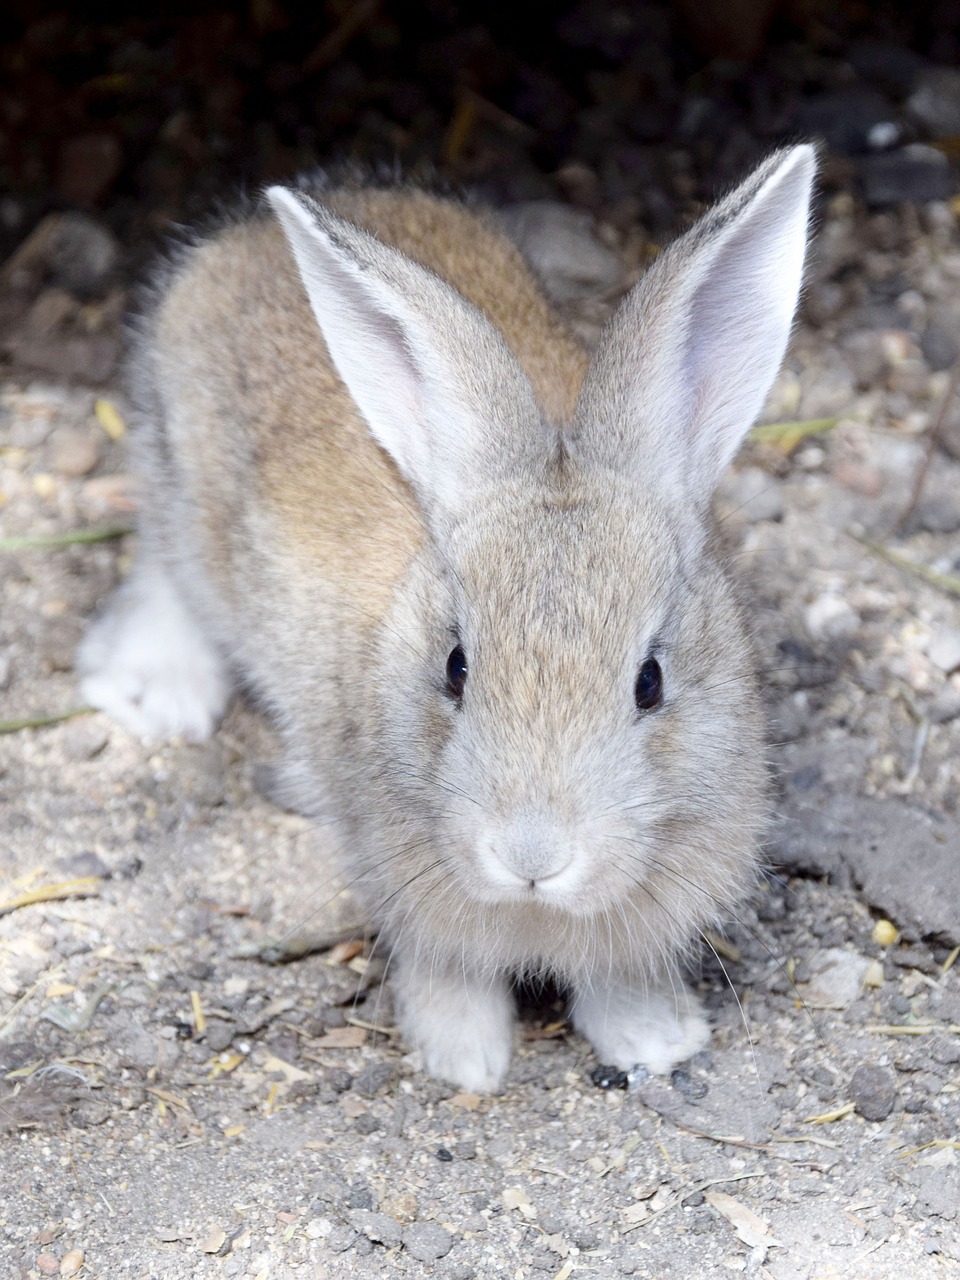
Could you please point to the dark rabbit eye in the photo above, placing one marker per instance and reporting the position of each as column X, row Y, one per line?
column 648, row 690
column 456, row 673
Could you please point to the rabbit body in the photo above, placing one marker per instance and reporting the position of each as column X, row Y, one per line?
column 386, row 488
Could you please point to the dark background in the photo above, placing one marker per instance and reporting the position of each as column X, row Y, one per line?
column 636, row 111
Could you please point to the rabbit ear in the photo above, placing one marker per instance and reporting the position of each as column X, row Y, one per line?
column 684, row 366
column 432, row 377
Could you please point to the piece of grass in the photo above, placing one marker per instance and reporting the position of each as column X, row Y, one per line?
column 787, row 435
column 947, row 582
column 82, row 887
column 71, row 538
column 41, row 722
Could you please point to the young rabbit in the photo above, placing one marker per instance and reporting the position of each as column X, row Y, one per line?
column 470, row 572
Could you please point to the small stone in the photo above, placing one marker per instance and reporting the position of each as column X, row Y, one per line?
column 936, row 100
column 874, row 1090
column 85, row 863
column 426, row 1241
column 859, row 477
column 318, row 1228
column 341, row 1238
column 916, row 173
column 374, row 1078
column 939, row 346
column 829, row 617
column 84, row 740
column 75, row 451
column 938, row 515
column 219, row 1034
column 944, row 707
column 562, row 248
column 47, row 1263
column 944, row 650
column 6, row 668
column 836, row 977
column 378, row 1227
column 885, row 933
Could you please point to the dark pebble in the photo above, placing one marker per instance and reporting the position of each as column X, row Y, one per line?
column 366, row 1123
column 690, row 1087
column 609, row 1078
column 426, row 1241
column 444, row 1155
column 219, row 1034
column 874, row 1090
column 916, row 173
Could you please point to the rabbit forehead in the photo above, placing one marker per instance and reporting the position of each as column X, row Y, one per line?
column 548, row 571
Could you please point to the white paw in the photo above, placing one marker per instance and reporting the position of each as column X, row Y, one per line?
column 462, row 1030
column 148, row 665
column 629, row 1026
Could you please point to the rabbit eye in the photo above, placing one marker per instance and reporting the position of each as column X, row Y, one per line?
column 456, row 673
column 648, row 690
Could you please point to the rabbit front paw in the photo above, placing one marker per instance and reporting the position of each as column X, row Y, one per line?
column 461, row 1026
column 651, row 1026
column 148, row 665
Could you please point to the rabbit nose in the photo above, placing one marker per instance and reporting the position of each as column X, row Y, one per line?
column 534, row 850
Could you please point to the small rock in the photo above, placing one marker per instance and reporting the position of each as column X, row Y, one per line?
column 754, row 495
column 47, row 1263
column 341, row 1238
column 936, row 101
column 874, row 1090
column 85, row 863
column 318, row 1228
column 426, row 1241
column 84, row 740
column 859, row 477
column 75, row 452
column 944, row 707
column 71, row 1262
column 916, row 173
column 829, row 617
column 836, row 978
column 378, row 1227
column 560, row 244
column 6, row 668
column 374, row 1078
column 219, row 1034
column 938, row 515
column 939, row 346
column 944, row 650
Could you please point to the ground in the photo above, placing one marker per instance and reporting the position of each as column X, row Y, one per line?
column 178, row 1105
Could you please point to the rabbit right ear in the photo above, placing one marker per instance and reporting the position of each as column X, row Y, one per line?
column 684, row 366
column 434, row 380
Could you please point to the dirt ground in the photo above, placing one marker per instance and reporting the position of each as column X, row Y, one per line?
column 177, row 1104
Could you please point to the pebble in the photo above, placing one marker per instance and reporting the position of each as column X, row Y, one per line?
column 71, row 1262
column 874, row 1090
column 84, row 740
column 829, row 617
column 378, row 1227
column 936, row 100
column 560, row 244
column 944, row 650
column 47, row 1263
column 374, row 1078
column 426, row 1241
column 944, row 707
column 938, row 514
column 6, row 668
column 836, row 977
column 75, row 451
column 219, row 1034
column 916, row 173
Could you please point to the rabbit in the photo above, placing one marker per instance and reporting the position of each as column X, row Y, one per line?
column 469, row 570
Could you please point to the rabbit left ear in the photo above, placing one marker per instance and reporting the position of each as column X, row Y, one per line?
column 434, row 380
column 685, row 364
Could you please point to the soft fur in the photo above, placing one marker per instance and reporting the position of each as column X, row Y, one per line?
column 364, row 439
